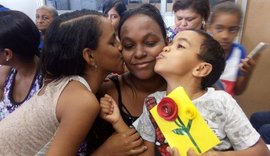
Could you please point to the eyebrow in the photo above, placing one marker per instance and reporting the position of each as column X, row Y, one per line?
column 185, row 40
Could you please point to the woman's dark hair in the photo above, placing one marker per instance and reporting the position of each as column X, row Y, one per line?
column 65, row 40
column 119, row 6
column 211, row 52
column 148, row 10
column 202, row 7
column 19, row 34
column 225, row 7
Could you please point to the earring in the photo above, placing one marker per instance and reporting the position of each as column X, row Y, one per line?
column 7, row 59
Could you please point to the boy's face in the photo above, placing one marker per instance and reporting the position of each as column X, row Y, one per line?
column 180, row 57
column 224, row 29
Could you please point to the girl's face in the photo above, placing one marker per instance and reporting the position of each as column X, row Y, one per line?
column 224, row 29
column 181, row 56
column 114, row 17
column 187, row 19
column 142, row 41
column 107, row 55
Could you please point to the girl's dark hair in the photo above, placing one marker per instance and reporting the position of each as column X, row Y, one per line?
column 19, row 33
column 211, row 52
column 225, row 7
column 119, row 6
column 202, row 7
column 148, row 10
column 65, row 40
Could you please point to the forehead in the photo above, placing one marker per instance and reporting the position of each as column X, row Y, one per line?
column 229, row 19
column 140, row 24
column 194, row 38
column 186, row 12
column 112, row 11
column 43, row 11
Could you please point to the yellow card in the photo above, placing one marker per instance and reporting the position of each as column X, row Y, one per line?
column 182, row 125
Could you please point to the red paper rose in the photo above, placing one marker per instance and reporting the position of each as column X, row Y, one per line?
column 167, row 109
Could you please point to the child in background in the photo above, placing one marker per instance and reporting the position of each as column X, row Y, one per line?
column 224, row 24
column 206, row 61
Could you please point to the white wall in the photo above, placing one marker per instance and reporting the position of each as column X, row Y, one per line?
column 27, row 6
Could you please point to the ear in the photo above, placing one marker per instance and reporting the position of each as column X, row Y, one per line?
column 202, row 70
column 88, row 56
column 8, row 53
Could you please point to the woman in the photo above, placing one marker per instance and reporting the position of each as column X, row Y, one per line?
column 20, row 71
column 143, row 35
column 189, row 14
column 75, row 60
column 114, row 10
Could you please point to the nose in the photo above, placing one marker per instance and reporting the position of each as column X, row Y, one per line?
column 166, row 49
column 225, row 35
column 184, row 23
column 140, row 52
column 38, row 20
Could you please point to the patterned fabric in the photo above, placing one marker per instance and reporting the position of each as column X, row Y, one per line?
column 231, row 71
column 160, row 141
column 7, row 104
column 31, row 128
column 222, row 114
column 171, row 33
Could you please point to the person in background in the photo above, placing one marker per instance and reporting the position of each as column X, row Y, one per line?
column 261, row 122
column 189, row 14
column 44, row 17
column 143, row 35
column 80, row 49
column 20, row 71
column 114, row 10
column 224, row 24
column 206, row 62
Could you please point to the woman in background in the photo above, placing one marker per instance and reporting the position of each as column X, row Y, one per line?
column 189, row 14
column 20, row 72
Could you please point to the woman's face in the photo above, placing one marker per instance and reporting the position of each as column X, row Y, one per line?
column 187, row 19
column 107, row 55
column 114, row 17
column 142, row 41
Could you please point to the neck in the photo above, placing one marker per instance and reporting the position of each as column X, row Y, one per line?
column 151, row 85
column 191, row 85
column 94, row 79
column 26, row 67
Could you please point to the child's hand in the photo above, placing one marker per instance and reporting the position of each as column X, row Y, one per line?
column 109, row 109
column 247, row 65
column 191, row 152
column 173, row 151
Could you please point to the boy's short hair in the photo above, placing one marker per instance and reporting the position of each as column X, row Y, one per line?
column 211, row 52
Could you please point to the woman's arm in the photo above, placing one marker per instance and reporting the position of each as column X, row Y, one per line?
column 76, row 111
column 122, row 144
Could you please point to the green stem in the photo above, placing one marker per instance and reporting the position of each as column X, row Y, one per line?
column 187, row 129
column 194, row 142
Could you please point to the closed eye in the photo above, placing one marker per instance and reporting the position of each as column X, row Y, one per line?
column 180, row 46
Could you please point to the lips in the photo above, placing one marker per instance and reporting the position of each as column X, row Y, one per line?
column 160, row 56
column 142, row 64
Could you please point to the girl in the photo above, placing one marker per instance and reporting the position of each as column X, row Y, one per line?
column 224, row 24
